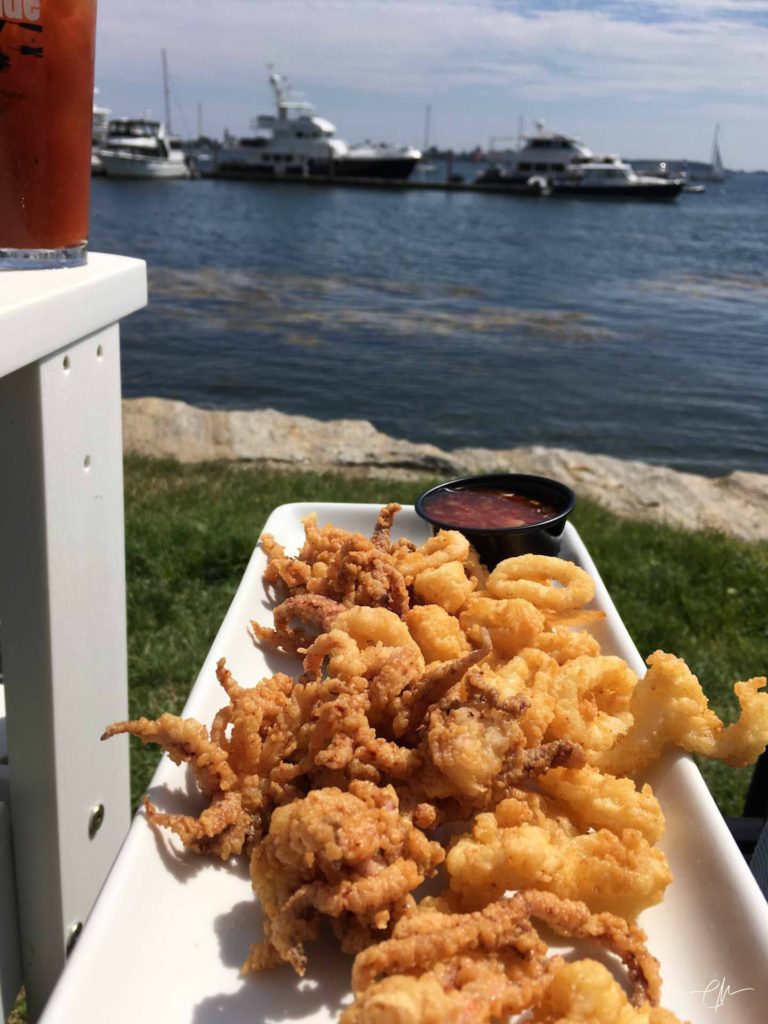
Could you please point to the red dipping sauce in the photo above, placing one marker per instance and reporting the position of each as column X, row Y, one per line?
column 481, row 508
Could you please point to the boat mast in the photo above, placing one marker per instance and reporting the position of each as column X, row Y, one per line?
column 166, row 94
column 427, row 120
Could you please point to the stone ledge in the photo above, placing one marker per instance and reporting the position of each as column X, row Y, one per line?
column 736, row 504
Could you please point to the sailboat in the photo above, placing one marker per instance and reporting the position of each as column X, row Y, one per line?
column 716, row 170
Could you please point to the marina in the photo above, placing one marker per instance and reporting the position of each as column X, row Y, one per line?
column 594, row 326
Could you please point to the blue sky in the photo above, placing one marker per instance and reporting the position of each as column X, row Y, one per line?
column 629, row 76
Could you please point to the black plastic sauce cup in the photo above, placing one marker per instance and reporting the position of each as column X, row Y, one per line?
column 494, row 544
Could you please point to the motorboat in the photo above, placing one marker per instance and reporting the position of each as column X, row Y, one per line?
column 542, row 155
column 609, row 177
column 552, row 163
column 141, row 148
column 296, row 142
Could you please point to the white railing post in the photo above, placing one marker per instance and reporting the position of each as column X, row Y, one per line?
column 62, row 593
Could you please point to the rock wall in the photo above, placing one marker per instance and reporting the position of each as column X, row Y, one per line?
column 736, row 504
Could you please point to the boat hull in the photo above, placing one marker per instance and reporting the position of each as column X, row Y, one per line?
column 115, row 166
column 657, row 190
column 394, row 169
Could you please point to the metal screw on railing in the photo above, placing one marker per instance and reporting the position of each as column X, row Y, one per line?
column 73, row 934
column 95, row 819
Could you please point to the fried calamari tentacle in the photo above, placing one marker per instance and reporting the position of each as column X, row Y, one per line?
column 415, row 700
column 370, row 578
column 528, row 577
column 281, row 568
column 424, row 939
column 668, row 707
column 381, row 537
column 223, row 829
column 184, row 740
column 486, row 964
column 311, row 609
column 574, row 920
column 336, row 853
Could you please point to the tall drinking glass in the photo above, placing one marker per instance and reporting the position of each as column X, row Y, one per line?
column 46, row 112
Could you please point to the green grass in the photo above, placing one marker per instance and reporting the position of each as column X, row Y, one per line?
column 191, row 529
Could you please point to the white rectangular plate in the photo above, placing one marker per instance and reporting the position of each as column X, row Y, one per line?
column 170, row 929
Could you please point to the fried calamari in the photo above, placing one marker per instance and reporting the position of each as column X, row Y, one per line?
column 351, row 856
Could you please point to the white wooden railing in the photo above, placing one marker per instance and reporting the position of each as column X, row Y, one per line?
column 63, row 795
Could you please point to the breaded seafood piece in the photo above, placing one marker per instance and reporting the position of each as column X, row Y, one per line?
column 312, row 610
column 438, row 634
column 585, row 992
column 447, row 585
column 529, row 842
column 486, row 965
column 351, row 856
column 224, row 827
column 445, row 546
column 513, row 624
column 669, row 708
column 592, row 699
column 529, row 577
column 596, row 800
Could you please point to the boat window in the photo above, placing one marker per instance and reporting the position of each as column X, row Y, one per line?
column 542, row 167
column 558, row 167
column 175, row 144
column 525, row 167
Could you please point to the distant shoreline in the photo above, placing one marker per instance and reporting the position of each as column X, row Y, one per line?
column 735, row 504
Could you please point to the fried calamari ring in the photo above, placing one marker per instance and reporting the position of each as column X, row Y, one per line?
column 591, row 702
column 528, row 576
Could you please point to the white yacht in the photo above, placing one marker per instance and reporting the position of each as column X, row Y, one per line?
column 551, row 163
column 140, row 148
column 296, row 142
column 544, row 154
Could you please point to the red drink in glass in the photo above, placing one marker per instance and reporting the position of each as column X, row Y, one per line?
column 46, row 112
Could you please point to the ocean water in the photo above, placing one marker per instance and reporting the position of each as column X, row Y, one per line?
column 630, row 328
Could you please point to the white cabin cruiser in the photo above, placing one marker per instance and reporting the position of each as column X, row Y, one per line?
column 140, row 148
column 544, row 154
column 611, row 177
column 551, row 163
column 296, row 142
